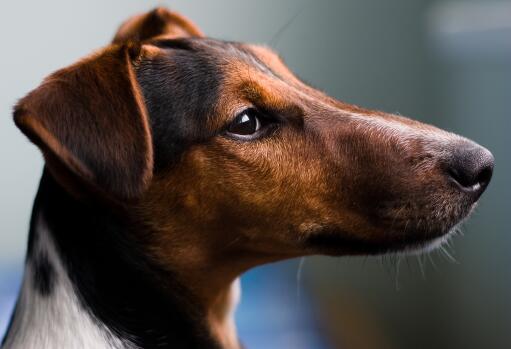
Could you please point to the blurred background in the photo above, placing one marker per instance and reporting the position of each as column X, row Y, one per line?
column 443, row 62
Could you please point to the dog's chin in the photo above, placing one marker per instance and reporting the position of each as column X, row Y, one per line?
column 417, row 239
column 427, row 245
column 338, row 244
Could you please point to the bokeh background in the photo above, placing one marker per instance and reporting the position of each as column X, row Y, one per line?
column 443, row 62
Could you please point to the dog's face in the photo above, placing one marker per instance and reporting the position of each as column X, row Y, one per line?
column 248, row 151
column 221, row 144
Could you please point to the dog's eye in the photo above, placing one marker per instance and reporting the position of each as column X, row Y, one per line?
column 246, row 124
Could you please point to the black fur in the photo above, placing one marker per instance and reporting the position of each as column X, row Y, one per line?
column 113, row 277
column 44, row 274
column 181, row 91
column 103, row 256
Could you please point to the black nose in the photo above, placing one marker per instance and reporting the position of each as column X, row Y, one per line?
column 471, row 168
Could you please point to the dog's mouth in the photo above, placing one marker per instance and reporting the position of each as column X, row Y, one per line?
column 335, row 243
column 408, row 197
column 412, row 236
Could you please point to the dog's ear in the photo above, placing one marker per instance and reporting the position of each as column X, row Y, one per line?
column 158, row 22
column 90, row 122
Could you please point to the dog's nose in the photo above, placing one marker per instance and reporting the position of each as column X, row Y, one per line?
column 471, row 168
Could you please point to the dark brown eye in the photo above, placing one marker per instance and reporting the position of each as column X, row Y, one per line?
column 246, row 124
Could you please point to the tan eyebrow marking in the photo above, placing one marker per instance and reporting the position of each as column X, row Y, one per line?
column 271, row 100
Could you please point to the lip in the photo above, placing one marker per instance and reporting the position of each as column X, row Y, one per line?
column 339, row 243
column 428, row 245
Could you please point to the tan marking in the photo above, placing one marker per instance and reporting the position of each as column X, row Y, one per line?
column 227, row 206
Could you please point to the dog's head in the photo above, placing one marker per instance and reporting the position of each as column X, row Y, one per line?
column 217, row 146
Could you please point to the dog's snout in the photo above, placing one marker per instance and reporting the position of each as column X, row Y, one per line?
column 471, row 168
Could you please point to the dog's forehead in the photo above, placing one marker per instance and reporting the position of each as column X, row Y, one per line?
column 193, row 86
column 225, row 54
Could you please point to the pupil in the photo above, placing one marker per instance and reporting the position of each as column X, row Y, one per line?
column 245, row 125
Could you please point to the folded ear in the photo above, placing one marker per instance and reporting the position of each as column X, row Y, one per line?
column 90, row 121
column 158, row 22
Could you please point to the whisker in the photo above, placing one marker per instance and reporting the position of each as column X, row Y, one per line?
column 431, row 261
column 398, row 264
column 299, row 271
column 276, row 37
column 233, row 241
column 448, row 255
column 364, row 262
column 421, row 266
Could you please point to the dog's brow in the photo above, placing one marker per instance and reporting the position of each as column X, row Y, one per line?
column 247, row 55
column 181, row 44
column 272, row 102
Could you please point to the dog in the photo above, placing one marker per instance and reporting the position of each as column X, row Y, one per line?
column 175, row 162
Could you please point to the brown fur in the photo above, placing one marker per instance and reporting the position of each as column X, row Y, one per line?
column 97, row 96
column 365, row 183
column 158, row 22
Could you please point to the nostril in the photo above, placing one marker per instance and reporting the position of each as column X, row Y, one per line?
column 460, row 177
column 484, row 176
column 471, row 167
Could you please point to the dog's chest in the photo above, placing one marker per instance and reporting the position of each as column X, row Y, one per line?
column 54, row 317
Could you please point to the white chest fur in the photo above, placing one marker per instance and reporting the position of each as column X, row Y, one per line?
column 56, row 320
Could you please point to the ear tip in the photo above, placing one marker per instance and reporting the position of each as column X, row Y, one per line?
column 159, row 21
column 135, row 27
column 19, row 114
column 160, row 12
column 22, row 112
column 158, row 17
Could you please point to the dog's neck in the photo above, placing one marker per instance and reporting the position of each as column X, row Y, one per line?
column 87, row 284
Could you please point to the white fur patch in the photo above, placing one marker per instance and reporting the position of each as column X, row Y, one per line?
column 232, row 303
column 57, row 320
column 234, row 297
